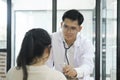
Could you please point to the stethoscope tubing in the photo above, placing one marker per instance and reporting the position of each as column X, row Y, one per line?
column 66, row 52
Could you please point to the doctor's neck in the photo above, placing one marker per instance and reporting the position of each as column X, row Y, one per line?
column 69, row 42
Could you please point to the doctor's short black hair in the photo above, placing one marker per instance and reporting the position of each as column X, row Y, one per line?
column 73, row 14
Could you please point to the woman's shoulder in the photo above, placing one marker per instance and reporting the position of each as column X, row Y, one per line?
column 13, row 73
column 14, row 70
column 56, row 74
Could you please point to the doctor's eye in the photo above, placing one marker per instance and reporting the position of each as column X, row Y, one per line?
column 65, row 26
column 73, row 28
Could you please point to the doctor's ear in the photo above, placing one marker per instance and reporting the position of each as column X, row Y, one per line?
column 61, row 24
column 80, row 28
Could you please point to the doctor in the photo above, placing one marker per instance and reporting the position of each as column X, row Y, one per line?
column 71, row 53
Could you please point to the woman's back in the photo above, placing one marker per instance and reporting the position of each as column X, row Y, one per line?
column 35, row 73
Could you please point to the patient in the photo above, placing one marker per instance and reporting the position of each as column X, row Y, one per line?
column 34, row 52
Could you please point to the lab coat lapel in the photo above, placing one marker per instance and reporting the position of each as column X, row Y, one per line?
column 76, row 51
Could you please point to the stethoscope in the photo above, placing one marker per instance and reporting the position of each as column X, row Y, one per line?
column 66, row 51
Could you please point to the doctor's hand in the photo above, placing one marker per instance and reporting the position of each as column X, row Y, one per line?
column 69, row 71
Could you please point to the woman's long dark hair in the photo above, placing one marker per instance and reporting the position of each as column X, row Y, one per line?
column 33, row 45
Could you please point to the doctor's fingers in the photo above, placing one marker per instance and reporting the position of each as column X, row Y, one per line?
column 70, row 73
column 67, row 68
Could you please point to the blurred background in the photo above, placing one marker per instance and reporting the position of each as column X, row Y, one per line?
column 47, row 14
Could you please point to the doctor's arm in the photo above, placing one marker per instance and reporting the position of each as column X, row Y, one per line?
column 87, row 60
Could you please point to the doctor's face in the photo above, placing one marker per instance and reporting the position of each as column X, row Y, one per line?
column 70, row 29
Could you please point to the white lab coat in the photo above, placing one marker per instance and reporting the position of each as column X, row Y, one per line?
column 83, row 55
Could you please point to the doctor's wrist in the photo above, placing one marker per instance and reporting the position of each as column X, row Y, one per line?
column 79, row 73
